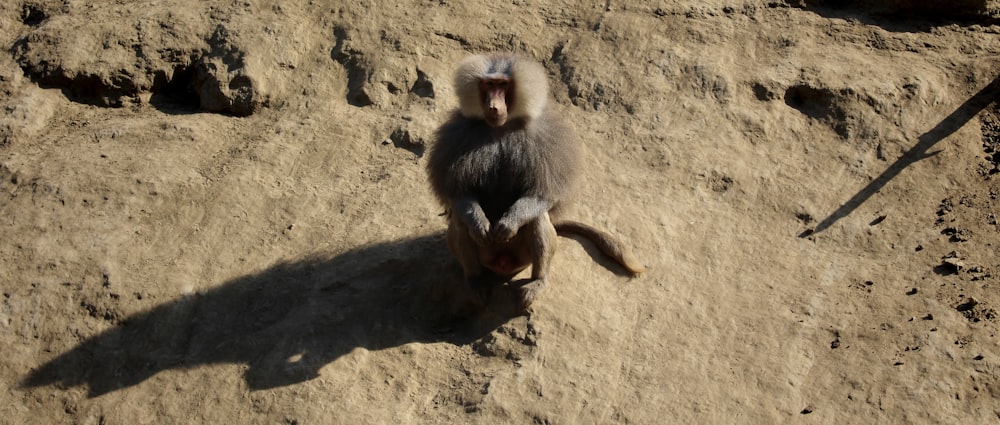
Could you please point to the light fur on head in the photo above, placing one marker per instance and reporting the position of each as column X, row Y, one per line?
column 531, row 85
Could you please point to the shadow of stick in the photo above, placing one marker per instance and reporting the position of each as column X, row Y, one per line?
column 945, row 128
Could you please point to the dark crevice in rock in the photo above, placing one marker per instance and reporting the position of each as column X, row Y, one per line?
column 423, row 86
column 358, row 71
column 210, row 80
column 33, row 15
column 819, row 103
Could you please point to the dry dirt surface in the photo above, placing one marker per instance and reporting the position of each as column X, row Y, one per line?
column 217, row 212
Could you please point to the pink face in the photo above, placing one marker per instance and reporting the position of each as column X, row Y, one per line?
column 496, row 93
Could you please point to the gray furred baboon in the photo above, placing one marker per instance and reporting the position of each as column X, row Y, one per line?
column 504, row 166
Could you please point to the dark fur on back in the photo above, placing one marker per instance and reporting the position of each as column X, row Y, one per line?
column 496, row 166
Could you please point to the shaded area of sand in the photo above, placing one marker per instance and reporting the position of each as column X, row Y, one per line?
column 217, row 212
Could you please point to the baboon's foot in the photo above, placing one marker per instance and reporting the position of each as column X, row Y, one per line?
column 529, row 291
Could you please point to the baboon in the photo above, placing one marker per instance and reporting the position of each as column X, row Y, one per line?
column 504, row 166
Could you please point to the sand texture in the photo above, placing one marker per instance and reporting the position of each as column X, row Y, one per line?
column 217, row 212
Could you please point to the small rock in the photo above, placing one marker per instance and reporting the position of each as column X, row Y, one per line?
column 967, row 305
column 401, row 139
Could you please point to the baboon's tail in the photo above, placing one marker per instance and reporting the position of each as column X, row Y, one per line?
column 609, row 245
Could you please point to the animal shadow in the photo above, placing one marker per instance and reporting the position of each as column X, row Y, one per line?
column 288, row 321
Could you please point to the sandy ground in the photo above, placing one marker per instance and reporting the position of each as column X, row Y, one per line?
column 217, row 212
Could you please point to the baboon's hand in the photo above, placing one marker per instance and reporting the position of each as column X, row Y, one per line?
column 472, row 214
column 502, row 232
column 523, row 211
column 480, row 233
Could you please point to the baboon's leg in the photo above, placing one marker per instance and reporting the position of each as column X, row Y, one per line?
column 464, row 248
column 540, row 237
column 470, row 295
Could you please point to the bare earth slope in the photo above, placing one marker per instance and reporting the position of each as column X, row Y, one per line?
column 216, row 212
